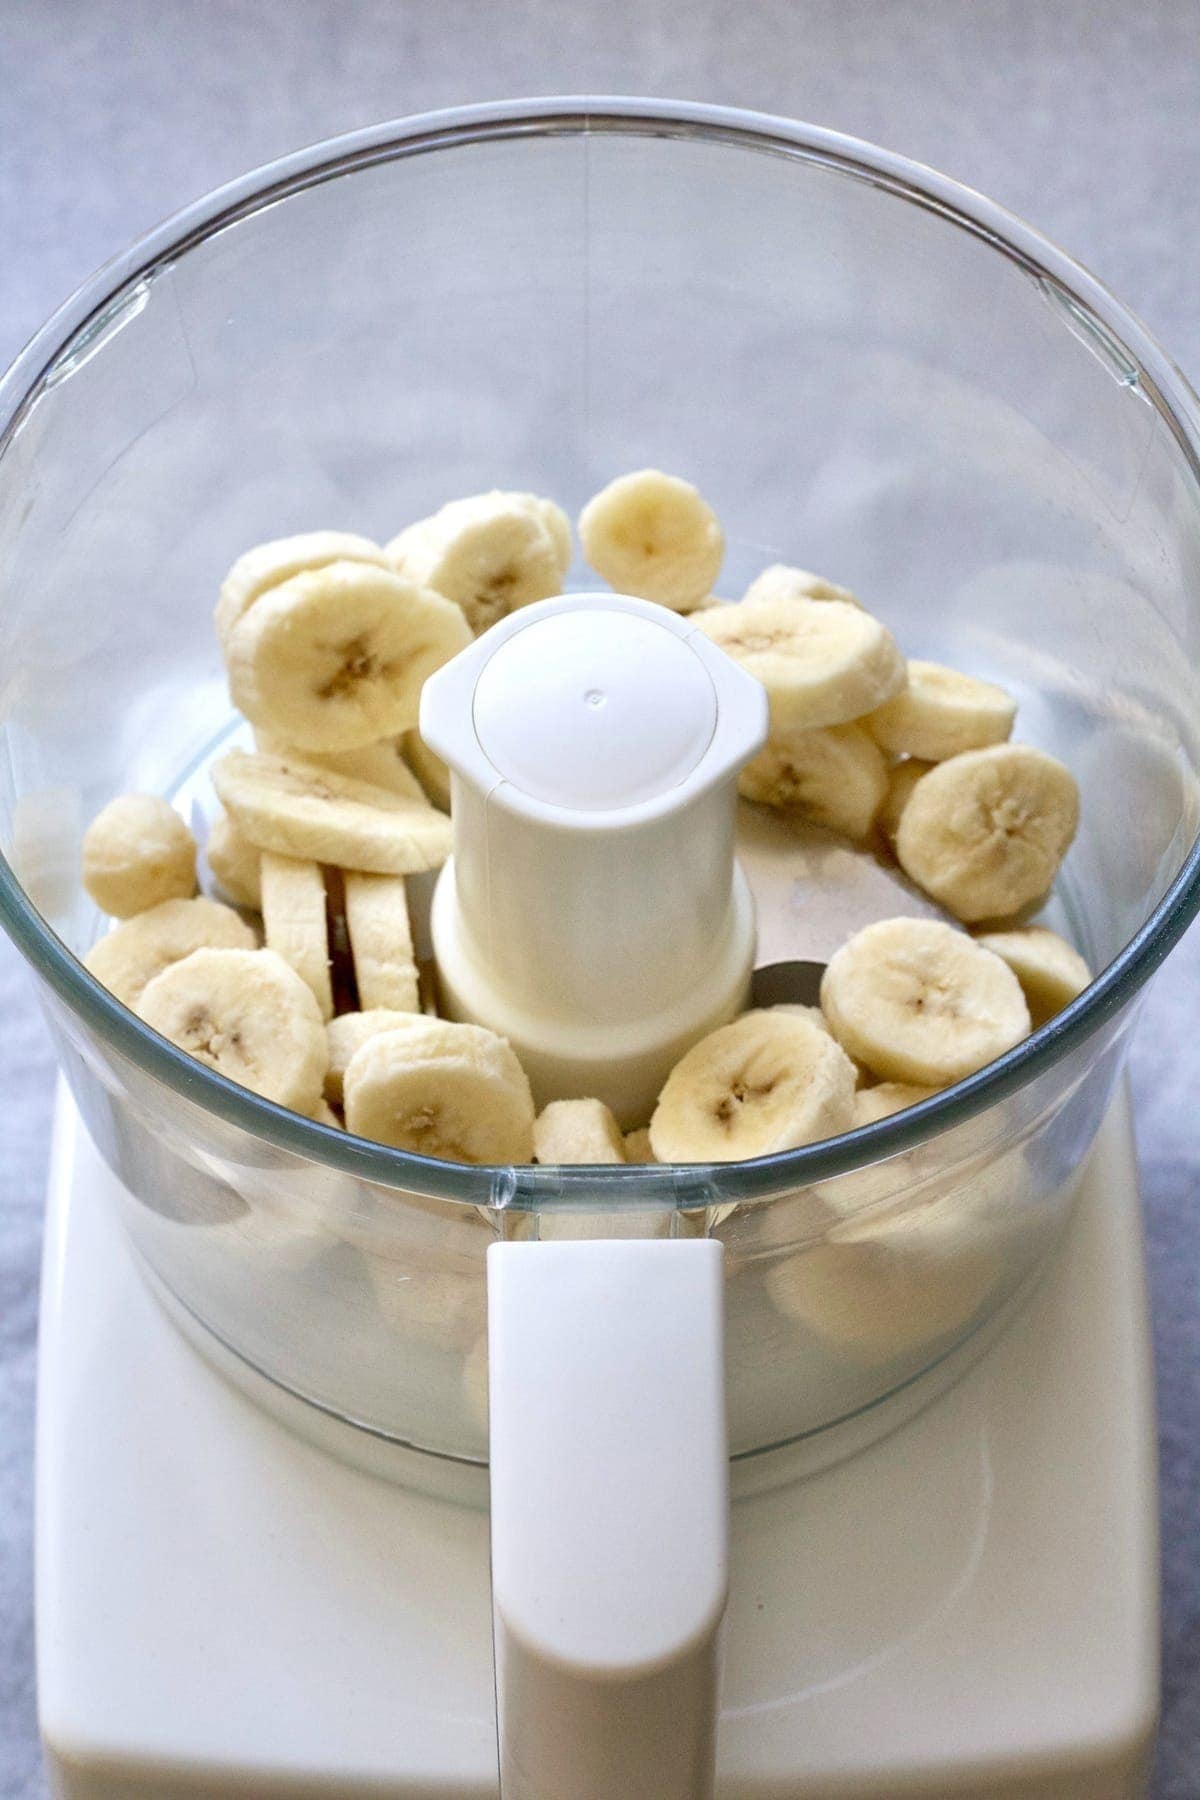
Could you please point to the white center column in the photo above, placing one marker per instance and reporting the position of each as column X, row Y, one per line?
column 593, row 912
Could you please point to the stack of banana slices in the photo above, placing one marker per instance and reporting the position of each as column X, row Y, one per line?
column 300, row 980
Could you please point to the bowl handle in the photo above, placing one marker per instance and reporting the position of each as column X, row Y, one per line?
column 610, row 1515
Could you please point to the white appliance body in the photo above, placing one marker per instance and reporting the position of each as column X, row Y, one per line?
column 966, row 1607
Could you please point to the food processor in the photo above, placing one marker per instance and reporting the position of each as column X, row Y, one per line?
column 917, row 1354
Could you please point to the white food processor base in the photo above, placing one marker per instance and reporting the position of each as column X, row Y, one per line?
column 969, row 1607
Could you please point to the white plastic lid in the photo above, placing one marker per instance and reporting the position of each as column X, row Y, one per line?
column 595, row 711
column 591, row 712
column 594, row 742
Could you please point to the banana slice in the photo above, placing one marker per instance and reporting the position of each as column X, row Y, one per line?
column 335, row 658
column 1051, row 972
column 577, row 1131
column 490, row 553
column 385, row 969
column 437, row 1089
column 862, row 1075
column 637, row 1146
column 918, row 1001
column 247, row 1014
column 381, row 764
column 941, row 713
column 985, row 832
column 299, row 809
column 294, row 921
column 653, row 535
column 820, row 664
column 885, row 1292
column 902, row 779
column 834, row 775
column 886, row 1098
column 428, row 768
column 128, row 958
column 267, row 566
column 346, row 1034
column 236, row 863
column 782, row 582
column 769, row 1081
column 138, row 852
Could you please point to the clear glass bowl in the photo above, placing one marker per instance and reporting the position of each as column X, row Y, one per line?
column 869, row 371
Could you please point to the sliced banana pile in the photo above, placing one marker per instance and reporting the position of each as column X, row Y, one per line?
column 307, row 987
column 910, row 757
column 328, row 639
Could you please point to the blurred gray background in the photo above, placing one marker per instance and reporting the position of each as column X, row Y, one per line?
column 1081, row 115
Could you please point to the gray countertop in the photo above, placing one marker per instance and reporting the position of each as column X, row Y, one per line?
column 1081, row 115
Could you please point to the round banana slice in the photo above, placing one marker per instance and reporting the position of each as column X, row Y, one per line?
column 138, row 852
column 902, row 779
column 294, row 921
column 438, row 1089
column 347, row 1033
column 299, row 809
column 888, row 1097
column 577, row 1131
column 381, row 764
column 1051, row 972
column 820, row 664
column 428, row 768
column 236, row 863
column 782, row 582
column 888, row 1292
column 653, row 535
column 769, row 1081
column 941, row 713
column 637, row 1146
column 489, row 553
column 385, row 969
column 834, row 776
column 128, row 958
column 248, row 1015
column 918, row 1001
column 268, row 565
column 985, row 832
column 335, row 658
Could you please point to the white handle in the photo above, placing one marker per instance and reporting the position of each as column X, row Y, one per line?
column 610, row 1504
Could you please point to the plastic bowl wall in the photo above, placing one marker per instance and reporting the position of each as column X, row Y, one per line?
column 868, row 371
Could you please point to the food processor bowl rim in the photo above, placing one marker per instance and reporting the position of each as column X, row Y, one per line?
column 85, row 315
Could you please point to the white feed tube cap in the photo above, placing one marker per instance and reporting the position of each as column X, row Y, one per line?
column 593, row 912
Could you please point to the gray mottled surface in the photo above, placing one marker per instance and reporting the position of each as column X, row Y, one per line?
column 1083, row 115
